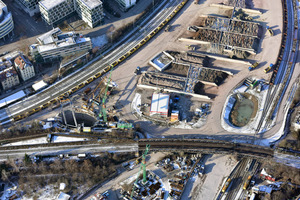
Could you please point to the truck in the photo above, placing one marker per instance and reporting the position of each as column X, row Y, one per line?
column 246, row 184
column 268, row 68
column 226, row 185
column 253, row 66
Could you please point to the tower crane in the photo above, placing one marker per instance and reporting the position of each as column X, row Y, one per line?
column 143, row 167
column 102, row 112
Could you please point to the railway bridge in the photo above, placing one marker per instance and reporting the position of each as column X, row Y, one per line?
column 206, row 146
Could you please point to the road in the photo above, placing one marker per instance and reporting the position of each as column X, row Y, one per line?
column 163, row 41
column 68, row 149
column 112, row 185
column 83, row 74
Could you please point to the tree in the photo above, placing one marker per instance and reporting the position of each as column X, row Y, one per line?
column 27, row 159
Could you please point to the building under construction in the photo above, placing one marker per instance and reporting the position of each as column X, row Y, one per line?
column 184, row 74
column 226, row 34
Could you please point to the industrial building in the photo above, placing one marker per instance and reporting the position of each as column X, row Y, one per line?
column 8, row 75
column 24, row 67
column 29, row 6
column 53, row 11
column 90, row 11
column 6, row 21
column 160, row 104
column 126, row 4
column 55, row 45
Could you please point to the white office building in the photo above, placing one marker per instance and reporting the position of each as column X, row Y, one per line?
column 53, row 11
column 90, row 11
column 29, row 6
column 6, row 21
column 55, row 44
column 126, row 4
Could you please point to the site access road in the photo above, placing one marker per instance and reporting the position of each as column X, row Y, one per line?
column 87, row 73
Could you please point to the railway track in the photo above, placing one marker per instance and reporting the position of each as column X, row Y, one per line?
column 71, row 84
column 283, row 65
column 205, row 146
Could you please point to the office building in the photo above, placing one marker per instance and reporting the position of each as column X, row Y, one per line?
column 90, row 11
column 126, row 4
column 29, row 6
column 55, row 45
column 54, row 11
column 6, row 21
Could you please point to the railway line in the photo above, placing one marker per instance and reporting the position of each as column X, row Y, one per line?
column 79, row 79
column 283, row 66
column 205, row 146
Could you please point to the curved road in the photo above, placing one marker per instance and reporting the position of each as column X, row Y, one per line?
column 127, row 84
column 82, row 75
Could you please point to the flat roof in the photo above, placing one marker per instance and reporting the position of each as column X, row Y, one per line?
column 14, row 97
column 39, row 85
column 47, row 38
column 2, row 5
column 49, row 4
column 91, row 3
column 63, row 43
column 160, row 104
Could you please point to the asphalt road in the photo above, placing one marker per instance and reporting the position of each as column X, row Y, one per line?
column 83, row 74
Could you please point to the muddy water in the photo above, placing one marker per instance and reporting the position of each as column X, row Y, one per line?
column 244, row 111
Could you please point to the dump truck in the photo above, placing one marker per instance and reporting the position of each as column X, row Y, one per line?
column 253, row 66
column 268, row 68
column 246, row 184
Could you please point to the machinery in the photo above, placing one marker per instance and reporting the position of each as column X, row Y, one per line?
column 190, row 47
column 102, row 113
column 143, row 167
column 253, row 66
column 268, row 68
column 270, row 31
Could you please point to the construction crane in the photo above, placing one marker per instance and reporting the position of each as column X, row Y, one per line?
column 143, row 166
column 102, row 112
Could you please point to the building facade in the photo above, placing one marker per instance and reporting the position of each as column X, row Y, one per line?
column 8, row 75
column 90, row 11
column 55, row 45
column 29, row 6
column 24, row 67
column 53, row 11
column 126, row 4
column 6, row 21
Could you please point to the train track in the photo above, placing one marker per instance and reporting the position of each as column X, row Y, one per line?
column 284, row 63
column 206, row 146
column 71, row 84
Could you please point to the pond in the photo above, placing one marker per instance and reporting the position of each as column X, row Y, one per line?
column 243, row 111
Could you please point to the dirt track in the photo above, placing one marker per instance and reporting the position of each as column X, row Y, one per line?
column 267, row 53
